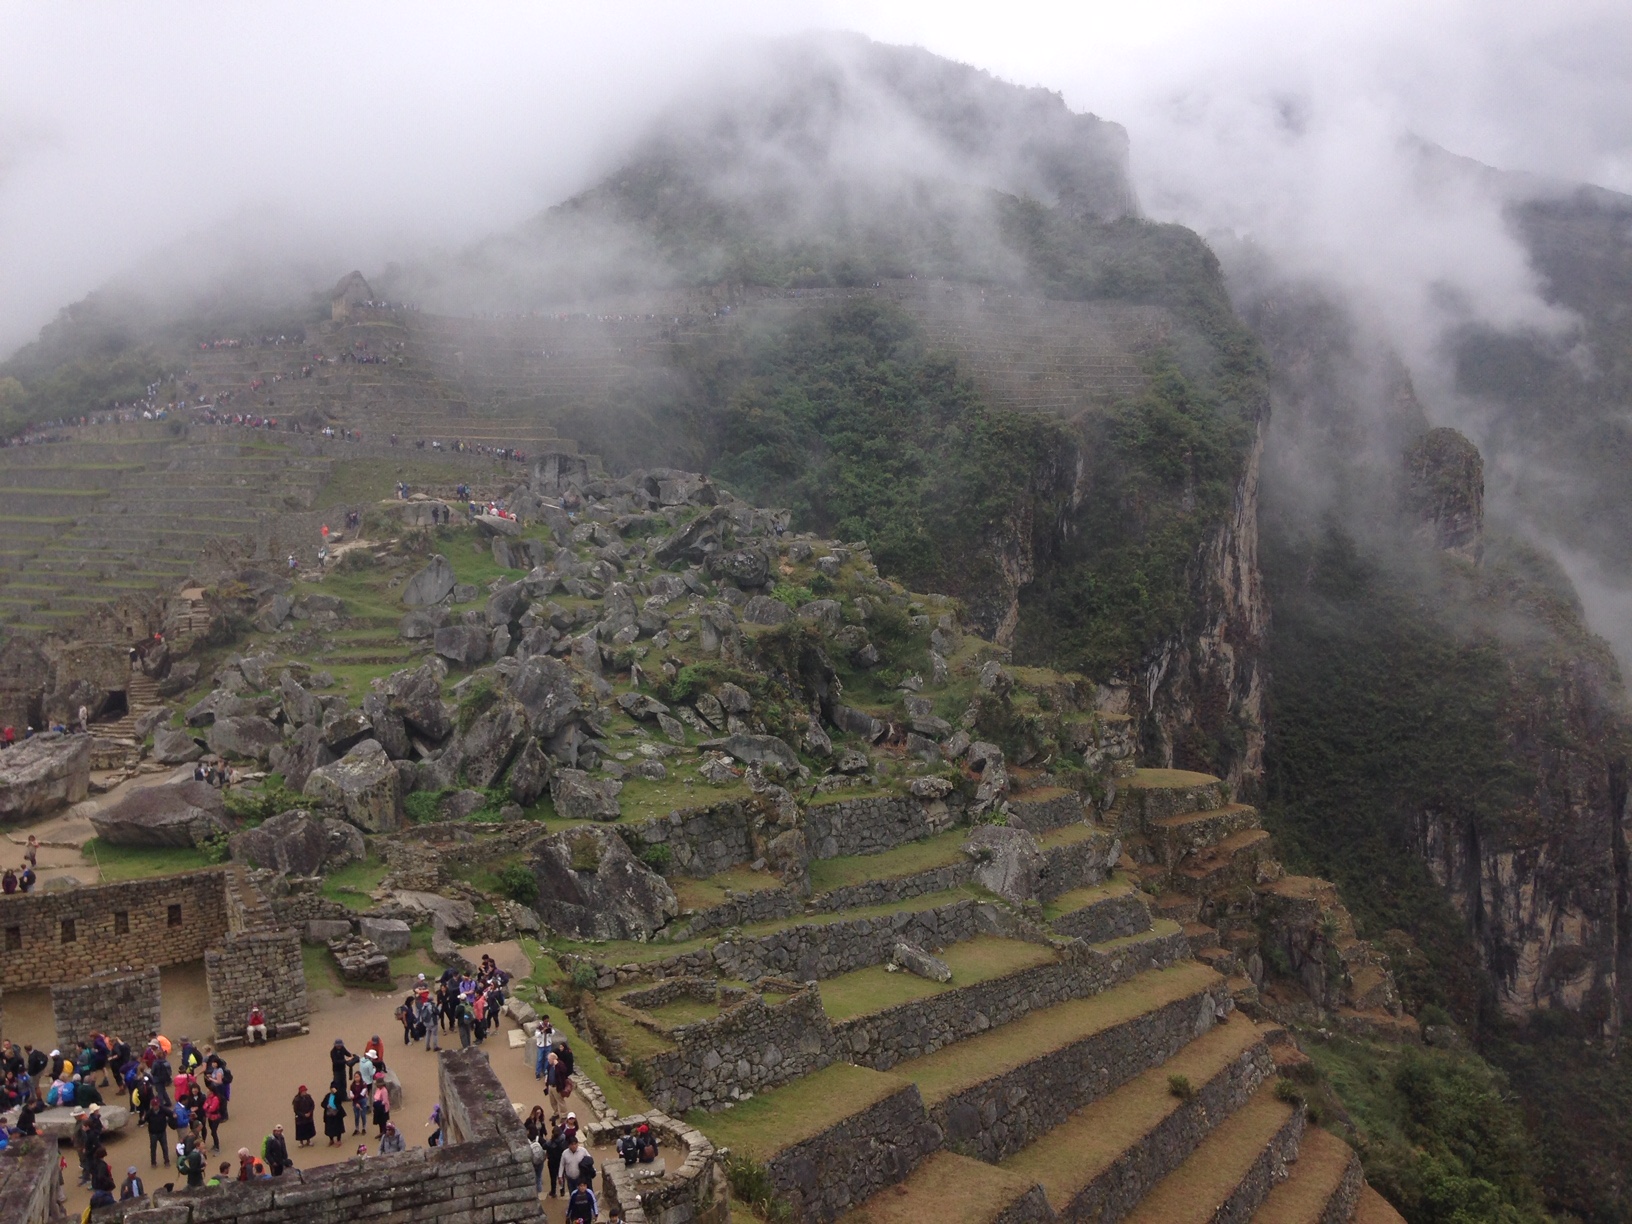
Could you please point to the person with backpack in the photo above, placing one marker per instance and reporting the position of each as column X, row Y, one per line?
column 102, row 1183
column 214, row 1111
column 334, row 1116
column 190, row 1162
column 275, row 1152
column 553, row 1151
column 577, row 1165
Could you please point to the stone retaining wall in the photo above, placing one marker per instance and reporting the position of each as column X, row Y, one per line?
column 882, row 1039
column 702, row 841
column 68, row 936
column 812, row 950
column 750, row 1048
column 1001, row 1115
column 121, row 1002
column 690, row 1191
column 1112, row 918
column 30, row 1173
column 1122, row 1184
column 262, row 967
column 889, row 892
column 872, row 825
column 828, row 1173
column 484, row 1176
column 1041, row 815
column 1078, row 865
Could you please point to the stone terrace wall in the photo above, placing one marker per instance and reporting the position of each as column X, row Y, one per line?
column 692, row 1193
column 252, row 967
column 704, row 840
column 28, row 1182
column 752, row 1047
column 484, row 1176
column 144, row 936
column 872, row 825
column 878, row 1147
column 1039, row 814
column 1113, row 918
column 882, row 1039
column 1001, row 1115
column 814, row 950
column 118, row 1002
column 1078, row 865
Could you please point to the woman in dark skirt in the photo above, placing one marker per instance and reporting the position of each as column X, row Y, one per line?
column 381, row 1097
column 305, row 1107
column 334, row 1115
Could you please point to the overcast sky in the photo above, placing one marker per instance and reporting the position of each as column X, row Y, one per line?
column 369, row 130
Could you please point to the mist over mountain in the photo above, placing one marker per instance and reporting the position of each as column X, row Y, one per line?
column 1327, row 494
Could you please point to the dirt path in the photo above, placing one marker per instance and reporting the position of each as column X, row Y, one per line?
column 266, row 1077
column 63, row 835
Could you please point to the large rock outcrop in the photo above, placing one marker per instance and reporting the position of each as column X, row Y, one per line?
column 174, row 814
column 44, row 773
column 364, row 785
column 591, row 886
column 292, row 842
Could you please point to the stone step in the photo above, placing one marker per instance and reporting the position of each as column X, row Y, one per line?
column 1232, row 1170
column 952, row 1189
column 1174, row 837
column 1322, row 1187
column 1101, row 911
column 1149, row 794
column 1104, row 1158
column 1201, row 936
column 1085, row 1046
column 1231, row 863
column 1177, row 907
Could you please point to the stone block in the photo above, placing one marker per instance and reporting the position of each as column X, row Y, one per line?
column 390, row 935
column 321, row 930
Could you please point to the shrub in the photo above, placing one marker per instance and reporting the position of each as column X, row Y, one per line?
column 214, row 847
column 752, row 1185
column 792, row 596
column 1286, row 1090
column 421, row 806
column 251, row 806
column 657, row 857
column 1179, row 1086
column 518, row 883
column 583, row 977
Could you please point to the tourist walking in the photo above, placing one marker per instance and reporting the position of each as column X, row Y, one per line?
column 275, row 1151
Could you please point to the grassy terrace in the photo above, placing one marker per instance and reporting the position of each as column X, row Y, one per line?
column 778, row 1119
column 1166, row 779
column 1082, row 898
column 942, row 850
column 1071, row 1155
column 945, row 1189
column 1195, row 1190
column 115, row 863
column 981, row 959
column 705, row 894
column 619, row 952
column 1066, row 835
column 1002, row 1049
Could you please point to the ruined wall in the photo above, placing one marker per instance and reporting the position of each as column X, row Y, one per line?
column 115, row 1002
column 257, row 967
column 51, row 937
column 841, row 827
column 29, row 1176
column 690, row 1191
column 484, row 1176
column 703, row 841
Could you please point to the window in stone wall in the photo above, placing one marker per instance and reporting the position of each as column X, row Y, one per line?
column 121, row 922
column 175, row 915
column 14, row 939
column 70, row 932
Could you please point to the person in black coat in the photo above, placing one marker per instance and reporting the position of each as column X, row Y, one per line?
column 340, row 1059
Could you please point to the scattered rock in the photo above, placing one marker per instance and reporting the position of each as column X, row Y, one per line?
column 321, row 930
column 44, row 773
column 301, row 753
column 364, row 784
column 292, row 843
column 181, row 814
column 578, row 796
column 431, row 585
column 466, row 644
column 1009, row 861
column 299, row 706
column 759, row 750
column 248, row 737
column 344, row 729
column 915, row 960
column 591, row 886
column 390, row 935
column 763, row 610
column 422, row 623
column 172, row 746
column 746, row 567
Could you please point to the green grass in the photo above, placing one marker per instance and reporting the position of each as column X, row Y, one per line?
column 795, row 1112
column 117, row 863
column 684, row 1011
column 632, row 1042
column 864, row 991
column 322, row 974
column 621, row 1094
column 623, row 951
column 352, row 884
column 642, row 799
column 1082, row 898
column 418, row 958
column 942, row 850
column 704, row 894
